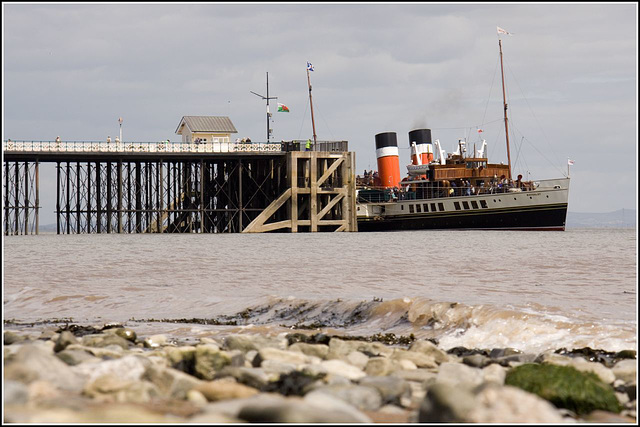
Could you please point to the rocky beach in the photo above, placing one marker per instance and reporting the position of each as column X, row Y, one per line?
column 109, row 374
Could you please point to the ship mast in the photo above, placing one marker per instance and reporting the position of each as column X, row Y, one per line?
column 504, row 100
column 313, row 123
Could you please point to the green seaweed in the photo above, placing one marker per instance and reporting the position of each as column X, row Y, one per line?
column 565, row 387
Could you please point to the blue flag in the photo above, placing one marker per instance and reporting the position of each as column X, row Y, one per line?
column 309, row 66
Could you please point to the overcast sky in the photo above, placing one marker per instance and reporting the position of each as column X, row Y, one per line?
column 571, row 72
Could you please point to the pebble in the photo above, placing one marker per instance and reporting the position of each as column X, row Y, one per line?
column 113, row 375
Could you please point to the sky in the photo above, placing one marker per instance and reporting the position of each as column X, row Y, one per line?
column 571, row 79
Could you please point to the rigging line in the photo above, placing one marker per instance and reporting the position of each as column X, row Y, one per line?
column 541, row 153
column 325, row 123
column 466, row 127
column 495, row 71
column 306, row 105
column 534, row 116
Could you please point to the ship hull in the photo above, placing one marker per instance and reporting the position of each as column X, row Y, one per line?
column 542, row 209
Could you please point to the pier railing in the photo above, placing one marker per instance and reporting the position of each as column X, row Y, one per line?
column 167, row 147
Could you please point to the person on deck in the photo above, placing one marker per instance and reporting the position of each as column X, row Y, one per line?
column 308, row 146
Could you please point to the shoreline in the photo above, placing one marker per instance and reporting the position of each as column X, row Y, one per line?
column 84, row 373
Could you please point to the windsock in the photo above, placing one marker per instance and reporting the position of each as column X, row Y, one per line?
column 424, row 147
column 388, row 161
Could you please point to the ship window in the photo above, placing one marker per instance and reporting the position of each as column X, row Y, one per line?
column 441, row 206
column 474, row 204
column 410, row 208
column 457, row 205
column 466, row 205
column 483, row 203
column 418, row 208
column 402, row 207
column 425, row 207
column 433, row 207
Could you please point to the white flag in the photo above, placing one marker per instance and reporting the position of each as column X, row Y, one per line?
column 570, row 162
column 502, row 31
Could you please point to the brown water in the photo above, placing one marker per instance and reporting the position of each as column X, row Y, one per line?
column 528, row 290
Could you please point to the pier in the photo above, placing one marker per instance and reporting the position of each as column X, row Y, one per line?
column 178, row 187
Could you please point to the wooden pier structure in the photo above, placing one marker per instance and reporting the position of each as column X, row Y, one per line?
column 182, row 187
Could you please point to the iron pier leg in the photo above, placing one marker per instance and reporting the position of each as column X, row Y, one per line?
column 109, row 201
column 78, row 169
column 37, row 197
column 88, row 197
column 119, row 195
column 58, row 198
column 98, row 198
column 26, row 198
column 68, row 198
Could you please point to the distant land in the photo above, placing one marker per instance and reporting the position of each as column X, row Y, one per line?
column 623, row 218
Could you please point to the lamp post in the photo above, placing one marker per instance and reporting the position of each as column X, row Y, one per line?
column 120, row 121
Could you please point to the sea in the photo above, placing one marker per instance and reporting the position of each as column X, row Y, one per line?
column 528, row 290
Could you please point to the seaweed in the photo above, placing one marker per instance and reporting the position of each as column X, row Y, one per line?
column 565, row 387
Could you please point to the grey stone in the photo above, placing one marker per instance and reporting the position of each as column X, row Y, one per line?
column 155, row 341
column 252, row 377
column 445, row 403
column 104, row 340
column 15, row 393
column 392, row 389
column 253, row 342
column 430, row 349
column 625, row 370
column 75, row 357
column 37, row 362
column 339, row 349
column 127, row 368
column 317, row 350
column 476, row 360
column 127, row 334
column 506, row 404
column 170, row 382
column 604, row 373
column 494, row 373
column 291, row 357
column 361, row 397
column 208, row 360
column 456, row 374
column 112, row 388
column 357, row 359
column 379, row 366
column 11, row 337
column 297, row 410
column 64, row 339
column 421, row 360
column 338, row 367
column 417, row 375
column 225, row 389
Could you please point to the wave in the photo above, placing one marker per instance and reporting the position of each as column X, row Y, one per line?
column 451, row 324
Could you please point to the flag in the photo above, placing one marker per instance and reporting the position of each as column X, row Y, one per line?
column 283, row 108
column 503, row 31
column 570, row 162
column 309, row 66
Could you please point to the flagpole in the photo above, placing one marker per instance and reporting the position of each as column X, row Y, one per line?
column 313, row 123
column 504, row 100
column 267, row 98
column 268, row 133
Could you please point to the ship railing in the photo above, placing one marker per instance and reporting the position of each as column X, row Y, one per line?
column 138, row 147
column 169, row 147
column 384, row 194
